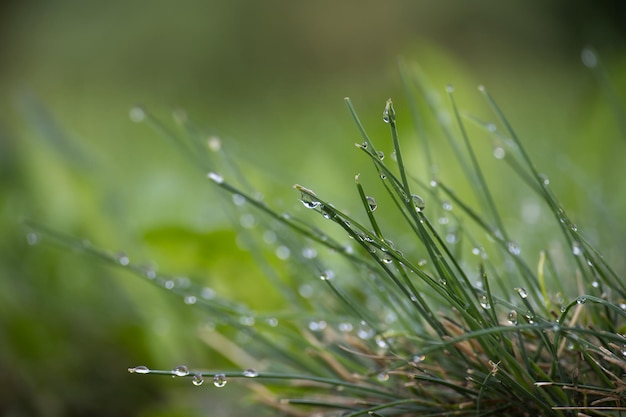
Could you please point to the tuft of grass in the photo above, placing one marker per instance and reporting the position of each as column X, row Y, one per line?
column 454, row 320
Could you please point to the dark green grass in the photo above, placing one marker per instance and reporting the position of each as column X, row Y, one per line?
column 453, row 320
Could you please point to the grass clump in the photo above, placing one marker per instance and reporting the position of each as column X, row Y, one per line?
column 453, row 320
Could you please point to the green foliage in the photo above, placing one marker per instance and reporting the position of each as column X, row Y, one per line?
column 413, row 300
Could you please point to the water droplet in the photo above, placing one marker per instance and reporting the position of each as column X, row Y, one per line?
column 544, row 179
column 363, row 145
column 482, row 88
column 180, row 371
column 382, row 376
column 484, row 302
column 207, row 293
column 422, row 262
column 622, row 306
column 197, row 379
column 364, row 331
column 215, row 177
column 576, row 248
column 418, row 202
column 239, row 200
column 371, row 202
column 581, row 300
column 434, row 183
column 589, row 58
column 345, row 327
column 309, row 253
column 283, row 252
column 418, row 358
column 595, row 284
column 247, row 320
column 272, row 321
column 327, row 275
column 381, row 343
column 305, row 291
column 513, row 248
column 317, row 326
column 137, row 114
column 219, row 380
column 491, row 127
column 247, row 221
column 499, row 152
column 139, row 370
column 214, row 143
column 450, row 88
column 250, row 373
column 623, row 350
column 32, row 238
column 447, row 206
column 383, row 176
column 190, row 299
column 122, row 259
column 512, row 317
column 389, row 114
column 522, row 292
column 308, row 199
column 169, row 284
column 387, row 260
column 475, row 251
column 452, row 238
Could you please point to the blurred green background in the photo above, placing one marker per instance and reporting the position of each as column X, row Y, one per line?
column 269, row 78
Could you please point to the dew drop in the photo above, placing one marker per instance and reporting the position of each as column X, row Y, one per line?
column 499, row 152
column 512, row 317
column 239, row 200
column 576, row 248
column 581, row 300
column 475, row 251
column 418, row 202
column 247, row 320
column 364, row 331
column 622, row 306
column 250, row 373
column 219, row 380
column 283, row 252
column 190, row 299
column 422, row 262
column 433, row 183
column 169, row 284
column 122, row 259
column 345, row 327
column 522, row 292
column 387, row 260
column 491, row 127
column 452, row 238
column 363, row 145
column 215, row 177
column 447, row 206
column 207, row 293
column 327, row 275
column 382, row 377
column 139, row 370
column 450, row 88
column 513, row 248
column 317, row 326
column 419, row 358
column 214, row 143
column 383, row 176
column 180, row 371
column 197, row 379
column 589, row 58
column 309, row 253
column 305, row 291
column 371, row 202
column 32, row 238
column 388, row 113
column 247, row 221
column 595, row 284
column 484, row 302
column 137, row 114
column 308, row 199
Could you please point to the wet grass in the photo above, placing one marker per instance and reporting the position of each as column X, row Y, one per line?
column 454, row 319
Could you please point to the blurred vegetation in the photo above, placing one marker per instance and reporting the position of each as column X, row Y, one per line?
column 269, row 79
